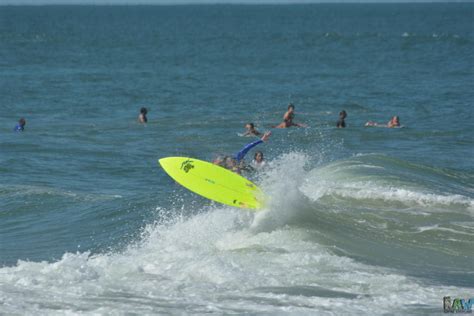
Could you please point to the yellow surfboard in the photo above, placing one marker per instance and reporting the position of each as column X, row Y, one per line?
column 213, row 182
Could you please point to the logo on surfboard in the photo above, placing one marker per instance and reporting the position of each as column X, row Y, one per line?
column 187, row 165
column 241, row 204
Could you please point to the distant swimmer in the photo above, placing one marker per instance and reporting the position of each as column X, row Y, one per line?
column 251, row 131
column 258, row 160
column 394, row 122
column 288, row 119
column 142, row 116
column 236, row 163
column 20, row 126
column 341, row 123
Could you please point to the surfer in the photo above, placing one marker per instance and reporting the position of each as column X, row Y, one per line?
column 342, row 116
column 236, row 163
column 251, row 131
column 142, row 116
column 288, row 118
column 20, row 126
column 394, row 122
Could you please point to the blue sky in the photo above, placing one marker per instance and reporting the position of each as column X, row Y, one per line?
column 40, row 2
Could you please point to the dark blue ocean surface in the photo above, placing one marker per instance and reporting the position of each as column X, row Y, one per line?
column 358, row 217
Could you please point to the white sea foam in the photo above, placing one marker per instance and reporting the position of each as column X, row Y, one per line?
column 450, row 230
column 223, row 260
column 211, row 262
column 281, row 181
column 357, row 180
column 367, row 190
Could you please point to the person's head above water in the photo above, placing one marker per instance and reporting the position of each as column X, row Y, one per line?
column 289, row 115
column 395, row 121
column 250, row 127
column 142, row 117
column 258, row 157
column 224, row 161
column 20, row 126
column 340, row 122
column 228, row 163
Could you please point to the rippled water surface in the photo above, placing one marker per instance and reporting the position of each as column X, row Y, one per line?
column 359, row 220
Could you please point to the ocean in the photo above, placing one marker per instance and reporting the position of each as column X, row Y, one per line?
column 359, row 221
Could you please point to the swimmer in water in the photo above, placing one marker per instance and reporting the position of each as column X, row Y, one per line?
column 341, row 122
column 251, row 131
column 236, row 163
column 288, row 118
column 258, row 160
column 394, row 122
column 142, row 116
column 20, row 126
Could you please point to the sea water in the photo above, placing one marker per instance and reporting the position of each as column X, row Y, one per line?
column 358, row 221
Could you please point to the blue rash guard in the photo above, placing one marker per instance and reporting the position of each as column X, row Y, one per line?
column 241, row 154
column 19, row 128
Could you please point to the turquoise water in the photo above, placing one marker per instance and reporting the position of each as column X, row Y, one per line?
column 360, row 220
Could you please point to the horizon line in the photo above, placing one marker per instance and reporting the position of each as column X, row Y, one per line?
column 222, row 2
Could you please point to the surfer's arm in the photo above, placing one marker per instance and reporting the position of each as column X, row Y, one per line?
column 241, row 154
